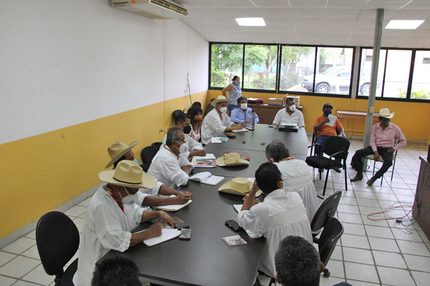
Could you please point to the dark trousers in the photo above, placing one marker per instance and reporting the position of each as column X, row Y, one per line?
column 321, row 141
column 386, row 156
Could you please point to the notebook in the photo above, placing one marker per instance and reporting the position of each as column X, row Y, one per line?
column 166, row 234
column 237, row 207
column 206, row 178
column 208, row 161
column 241, row 130
column 332, row 120
column 216, row 140
column 173, row 208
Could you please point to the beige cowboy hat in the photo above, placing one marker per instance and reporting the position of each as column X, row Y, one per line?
column 231, row 159
column 238, row 186
column 128, row 174
column 220, row 98
column 117, row 150
column 385, row 112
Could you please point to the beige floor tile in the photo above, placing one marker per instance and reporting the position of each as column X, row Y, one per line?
column 383, row 244
column 360, row 283
column 366, row 273
column 348, row 209
column 395, row 276
column 337, row 253
column 38, row 275
column 25, row 283
column 6, row 281
column 376, row 231
column 6, row 257
column 417, row 248
column 330, row 281
column 350, row 218
column 336, row 268
column 31, row 234
column 20, row 245
column 355, row 241
column 419, row 263
column 406, row 234
column 32, row 252
column 358, row 255
column 421, row 278
column 389, row 259
column 19, row 266
column 356, row 229
column 368, row 221
column 76, row 211
column 79, row 222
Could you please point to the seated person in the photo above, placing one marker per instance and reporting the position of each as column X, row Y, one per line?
column 119, row 151
column 382, row 144
column 323, row 130
column 298, row 263
column 107, row 226
column 116, row 271
column 289, row 115
column 217, row 121
column 243, row 114
column 168, row 166
column 194, row 148
column 196, row 118
column 281, row 214
column 296, row 175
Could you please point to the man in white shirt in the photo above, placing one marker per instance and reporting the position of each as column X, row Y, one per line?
column 194, row 148
column 119, row 151
column 108, row 226
column 168, row 166
column 217, row 121
column 281, row 214
column 289, row 115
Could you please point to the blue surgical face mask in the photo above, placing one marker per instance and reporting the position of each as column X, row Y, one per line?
column 327, row 112
column 135, row 161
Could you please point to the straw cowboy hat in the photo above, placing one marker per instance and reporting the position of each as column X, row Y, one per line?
column 385, row 112
column 220, row 98
column 128, row 174
column 238, row 186
column 117, row 150
column 231, row 159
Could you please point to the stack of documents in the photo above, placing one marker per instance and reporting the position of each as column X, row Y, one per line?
column 208, row 161
column 166, row 234
column 174, row 208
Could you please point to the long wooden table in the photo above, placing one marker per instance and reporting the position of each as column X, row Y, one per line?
column 206, row 259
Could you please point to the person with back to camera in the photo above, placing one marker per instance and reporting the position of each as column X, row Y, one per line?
column 196, row 118
column 116, row 271
column 243, row 114
column 234, row 92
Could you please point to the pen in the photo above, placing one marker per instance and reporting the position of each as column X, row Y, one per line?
column 159, row 220
column 179, row 190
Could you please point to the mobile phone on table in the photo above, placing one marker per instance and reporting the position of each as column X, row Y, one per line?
column 185, row 234
column 181, row 225
column 233, row 225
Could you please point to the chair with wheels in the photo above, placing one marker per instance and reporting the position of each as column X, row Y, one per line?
column 336, row 148
column 325, row 212
column 327, row 243
column 57, row 240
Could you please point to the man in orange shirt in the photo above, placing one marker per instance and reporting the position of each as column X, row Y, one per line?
column 324, row 130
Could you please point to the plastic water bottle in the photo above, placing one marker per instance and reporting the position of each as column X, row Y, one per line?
column 251, row 126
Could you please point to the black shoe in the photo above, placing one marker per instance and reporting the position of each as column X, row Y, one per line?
column 337, row 170
column 371, row 181
column 357, row 177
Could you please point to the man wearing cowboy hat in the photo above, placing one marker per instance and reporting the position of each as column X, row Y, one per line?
column 382, row 144
column 107, row 227
column 217, row 121
column 119, row 151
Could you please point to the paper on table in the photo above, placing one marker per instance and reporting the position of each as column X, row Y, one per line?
column 237, row 207
column 173, row 208
column 332, row 120
column 241, row 130
column 209, row 156
column 206, row 178
column 216, row 140
column 166, row 234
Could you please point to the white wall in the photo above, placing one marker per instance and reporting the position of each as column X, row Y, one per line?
column 67, row 62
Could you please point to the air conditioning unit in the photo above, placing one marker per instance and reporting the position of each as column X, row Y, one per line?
column 156, row 9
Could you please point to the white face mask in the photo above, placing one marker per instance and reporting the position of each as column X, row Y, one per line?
column 183, row 148
column 292, row 108
column 223, row 109
column 130, row 199
column 243, row 105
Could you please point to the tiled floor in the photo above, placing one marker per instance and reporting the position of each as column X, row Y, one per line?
column 369, row 252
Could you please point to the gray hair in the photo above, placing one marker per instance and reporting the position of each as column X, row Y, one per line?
column 297, row 262
column 241, row 98
column 172, row 135
column 277, row 150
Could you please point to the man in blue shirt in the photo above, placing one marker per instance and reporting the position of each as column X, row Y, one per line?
column 243, row 113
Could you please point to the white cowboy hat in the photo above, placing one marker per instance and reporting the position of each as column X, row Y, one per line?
column 231, row 159
column 220, row 98
column 238, row 186
column 117, row 150
column 385, row 112
column 128, row 174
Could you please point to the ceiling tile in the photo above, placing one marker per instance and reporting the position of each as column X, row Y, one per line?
column 276, row 13
column 342, row 13
column 278, row 22
column 308, row 13
column 245, row 13
column 339, row 23
column 412, row 15
column 310, row 30
column 215, row 13
column 223, row 21
column 340, row 30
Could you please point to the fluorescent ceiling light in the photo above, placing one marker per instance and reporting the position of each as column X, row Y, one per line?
column 404, row 24
column 251, row 21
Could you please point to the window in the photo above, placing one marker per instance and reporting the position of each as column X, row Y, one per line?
column 421, row 76
column 397, row 73
column 226, row 62
column 366, row 70
column 260, row 67
column 297, row 68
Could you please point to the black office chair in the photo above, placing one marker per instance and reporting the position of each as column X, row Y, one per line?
column 324, row 213
column 156, row 145
column 146, row 155
column 314, row 145
column 329, row 237
column 57, row 240
column 336, row 147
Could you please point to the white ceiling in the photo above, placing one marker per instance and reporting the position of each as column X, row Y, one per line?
column 309, row 22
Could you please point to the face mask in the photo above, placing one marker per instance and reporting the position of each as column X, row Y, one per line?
column 292, row 108
column 243, row 105
column 327, row 113
column 187, row 129
column 237, row 82
column 183, row 148
column 223, row 109
column 135, row 161
column 128, row 200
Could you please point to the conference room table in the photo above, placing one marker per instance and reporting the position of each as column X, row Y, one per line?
column 206, row 259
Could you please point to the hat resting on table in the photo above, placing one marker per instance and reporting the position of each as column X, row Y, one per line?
column 231, row 159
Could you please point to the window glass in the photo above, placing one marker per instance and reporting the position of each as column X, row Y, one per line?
column 260, row 67
column 226, row 62
column 334, row 67
column 297, row 65
column 366, row 71
column 397, row 73
column 421, row 76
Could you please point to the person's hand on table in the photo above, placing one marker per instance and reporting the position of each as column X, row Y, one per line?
column 154, row 230
column 186, row 195
column 180, row 200
column 165, row 218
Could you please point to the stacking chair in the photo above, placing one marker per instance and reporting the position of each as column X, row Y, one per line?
column 57, row 240
column 371, row 157
column 336, row 147
column 156, row 145
column 329, row 237
column 146, row 155
column 324, row 213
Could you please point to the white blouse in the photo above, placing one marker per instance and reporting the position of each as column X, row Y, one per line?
column 280, row 215
column 214, row 126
